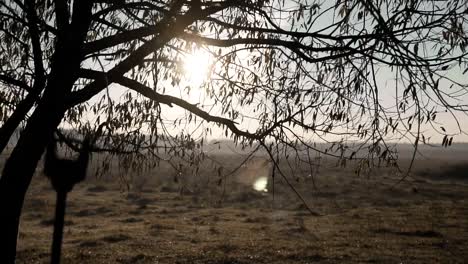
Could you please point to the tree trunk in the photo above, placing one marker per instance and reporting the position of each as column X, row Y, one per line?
column 18, row 172
column 22, row 163
column 7, row 130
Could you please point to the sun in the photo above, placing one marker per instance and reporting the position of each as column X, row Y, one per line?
column 197, row 67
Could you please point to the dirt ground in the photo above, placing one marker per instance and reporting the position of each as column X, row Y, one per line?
column 354, row 219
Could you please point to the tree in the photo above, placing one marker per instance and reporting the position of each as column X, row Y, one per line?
column 299, row 70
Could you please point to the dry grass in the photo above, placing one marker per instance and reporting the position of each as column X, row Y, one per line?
column 357, row 220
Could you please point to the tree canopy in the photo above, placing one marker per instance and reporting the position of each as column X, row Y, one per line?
column 281, row 73
column 279, row 64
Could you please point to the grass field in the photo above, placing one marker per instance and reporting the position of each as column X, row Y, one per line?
column 354, row 219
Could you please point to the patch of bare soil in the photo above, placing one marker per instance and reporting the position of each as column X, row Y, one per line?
column 354, row 220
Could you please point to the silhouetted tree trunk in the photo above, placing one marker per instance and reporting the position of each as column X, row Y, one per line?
column 20, row 166
column 18, row 172
column 21, row 110
column 7, row 130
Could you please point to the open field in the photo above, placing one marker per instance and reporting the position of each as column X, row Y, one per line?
column 355, row 219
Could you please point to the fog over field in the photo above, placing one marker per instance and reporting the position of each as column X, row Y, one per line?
column 165, row 216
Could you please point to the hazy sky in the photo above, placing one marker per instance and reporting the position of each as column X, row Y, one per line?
column 196, row 68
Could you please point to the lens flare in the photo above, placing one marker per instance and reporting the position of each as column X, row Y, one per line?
column 260, row 184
